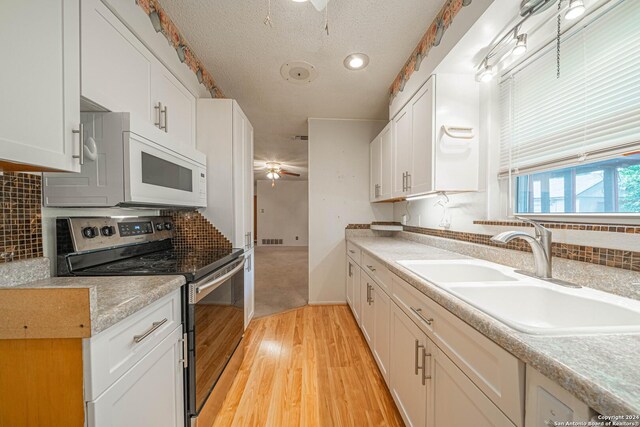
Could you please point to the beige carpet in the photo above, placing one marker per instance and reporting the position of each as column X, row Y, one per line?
column 281, row 279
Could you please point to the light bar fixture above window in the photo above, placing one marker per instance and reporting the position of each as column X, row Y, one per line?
column 590, row 113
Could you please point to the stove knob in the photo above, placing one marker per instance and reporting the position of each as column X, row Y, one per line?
column 89, row 232
column 108, row 230
column 168, row 226
column 159, row 226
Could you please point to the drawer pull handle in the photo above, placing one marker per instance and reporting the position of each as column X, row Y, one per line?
column 352, row 251
column 152, row 329
column 370, row 267
column 418, row 312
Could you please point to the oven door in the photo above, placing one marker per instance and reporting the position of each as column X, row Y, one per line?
column 155, row 175
column 215, row 327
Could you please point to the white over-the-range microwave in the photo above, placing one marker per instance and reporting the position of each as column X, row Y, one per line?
column 122, row 167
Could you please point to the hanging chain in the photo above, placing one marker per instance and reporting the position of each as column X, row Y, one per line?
column 326, row 18
column 267, row 19
column 558, row 41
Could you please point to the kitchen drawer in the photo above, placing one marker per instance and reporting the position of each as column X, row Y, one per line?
column 111, row 353
column 496, row 372
column 354, row 252
column 378, row 271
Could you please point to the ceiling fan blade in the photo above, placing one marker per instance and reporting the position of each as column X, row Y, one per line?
column 289, row 173
column 319, row 4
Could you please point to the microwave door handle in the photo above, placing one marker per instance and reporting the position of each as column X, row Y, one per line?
column 200, row 288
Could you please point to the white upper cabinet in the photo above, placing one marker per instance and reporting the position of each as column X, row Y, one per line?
column 40, row 85
column 435, row 138
column 381, row 151
column 120, row 74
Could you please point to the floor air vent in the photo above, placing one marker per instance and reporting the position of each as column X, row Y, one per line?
column 271, row 241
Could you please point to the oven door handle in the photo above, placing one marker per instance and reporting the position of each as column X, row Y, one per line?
column 216, row 282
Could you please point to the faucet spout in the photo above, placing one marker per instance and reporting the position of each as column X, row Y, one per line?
column 540, row 246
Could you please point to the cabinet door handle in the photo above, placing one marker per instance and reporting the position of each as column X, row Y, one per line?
column 417, row 366
column 166, row 119
column 185, row 352
column 418, row 312
column 80, row 132
column 158, row 110
column 425, row 377
column 350, row 272
column 408, row 181
column 352, row 251
column 404, row 181
column 152, row 329
column 370, row 267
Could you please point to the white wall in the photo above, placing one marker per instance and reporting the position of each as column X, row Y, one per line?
column 338, row 196
column 283, row 212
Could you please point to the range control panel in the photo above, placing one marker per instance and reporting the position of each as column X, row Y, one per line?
column 92, row 233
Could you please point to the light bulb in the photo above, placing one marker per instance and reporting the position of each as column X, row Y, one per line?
column 486, row 74
column 575, row 10
column 275, row 175
column 521, row 45
column 356, row 62
column 270, row 175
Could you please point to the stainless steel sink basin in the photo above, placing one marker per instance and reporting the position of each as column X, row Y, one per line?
column 547, row 309
column 456, row 271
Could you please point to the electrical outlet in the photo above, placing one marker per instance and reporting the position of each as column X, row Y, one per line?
column 419, row 220
column 261, row 210
column 296, row 237
column 403, row 219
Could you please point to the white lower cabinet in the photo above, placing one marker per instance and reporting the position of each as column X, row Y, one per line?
column 367, row 312
column 150, row 394
column 353, row 288
column 381, row 329
column 408, row 388
column 457, row 402
column 440, row 371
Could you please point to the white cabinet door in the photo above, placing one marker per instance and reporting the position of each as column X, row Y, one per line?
column 386, row 163
column 457, row 402
column 422, row 107
column 408, row 388
column 353, row 283
column 249, row 287
column 402, row 129
column 116, row 66
column 149, row 395
column 239, row 128
column 374, row 168
column 248, row 183
column 381, row 334
column 40, row 83
column 173, row 106
column 367, row 313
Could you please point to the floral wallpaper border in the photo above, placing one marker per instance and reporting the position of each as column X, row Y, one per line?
column 162, row 23
column 431, row 38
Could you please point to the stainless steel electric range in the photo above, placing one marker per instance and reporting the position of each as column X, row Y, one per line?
column 213, row 298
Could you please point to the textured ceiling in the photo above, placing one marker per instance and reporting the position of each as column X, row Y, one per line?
column 244, row 56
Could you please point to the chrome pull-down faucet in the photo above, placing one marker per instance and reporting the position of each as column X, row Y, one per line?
column 540, row 245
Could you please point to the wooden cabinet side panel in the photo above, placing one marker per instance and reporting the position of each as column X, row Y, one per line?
column 41, row 383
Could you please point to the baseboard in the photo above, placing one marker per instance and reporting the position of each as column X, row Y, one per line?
column 327, row 303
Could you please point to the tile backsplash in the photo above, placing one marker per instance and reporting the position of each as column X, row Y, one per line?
column 21, row 219
column 194, row 231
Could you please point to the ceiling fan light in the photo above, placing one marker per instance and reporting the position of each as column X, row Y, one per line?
column 575, row 10
column 276, row 175
column 270, row 175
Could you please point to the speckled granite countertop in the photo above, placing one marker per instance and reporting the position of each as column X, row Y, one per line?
column 116, row 297
column 601, row 370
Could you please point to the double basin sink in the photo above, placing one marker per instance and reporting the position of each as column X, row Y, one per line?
column 527, row 304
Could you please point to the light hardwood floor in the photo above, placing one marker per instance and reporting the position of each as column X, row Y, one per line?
column 308, row 367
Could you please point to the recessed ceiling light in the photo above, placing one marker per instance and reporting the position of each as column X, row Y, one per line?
column 299, row 1
column 356, row 61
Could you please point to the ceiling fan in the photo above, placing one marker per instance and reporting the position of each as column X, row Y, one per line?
column 274, row 171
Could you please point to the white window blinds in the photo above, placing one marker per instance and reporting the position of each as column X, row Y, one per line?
column 591, row 112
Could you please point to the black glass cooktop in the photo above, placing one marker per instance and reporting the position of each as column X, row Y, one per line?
column 191, row 264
